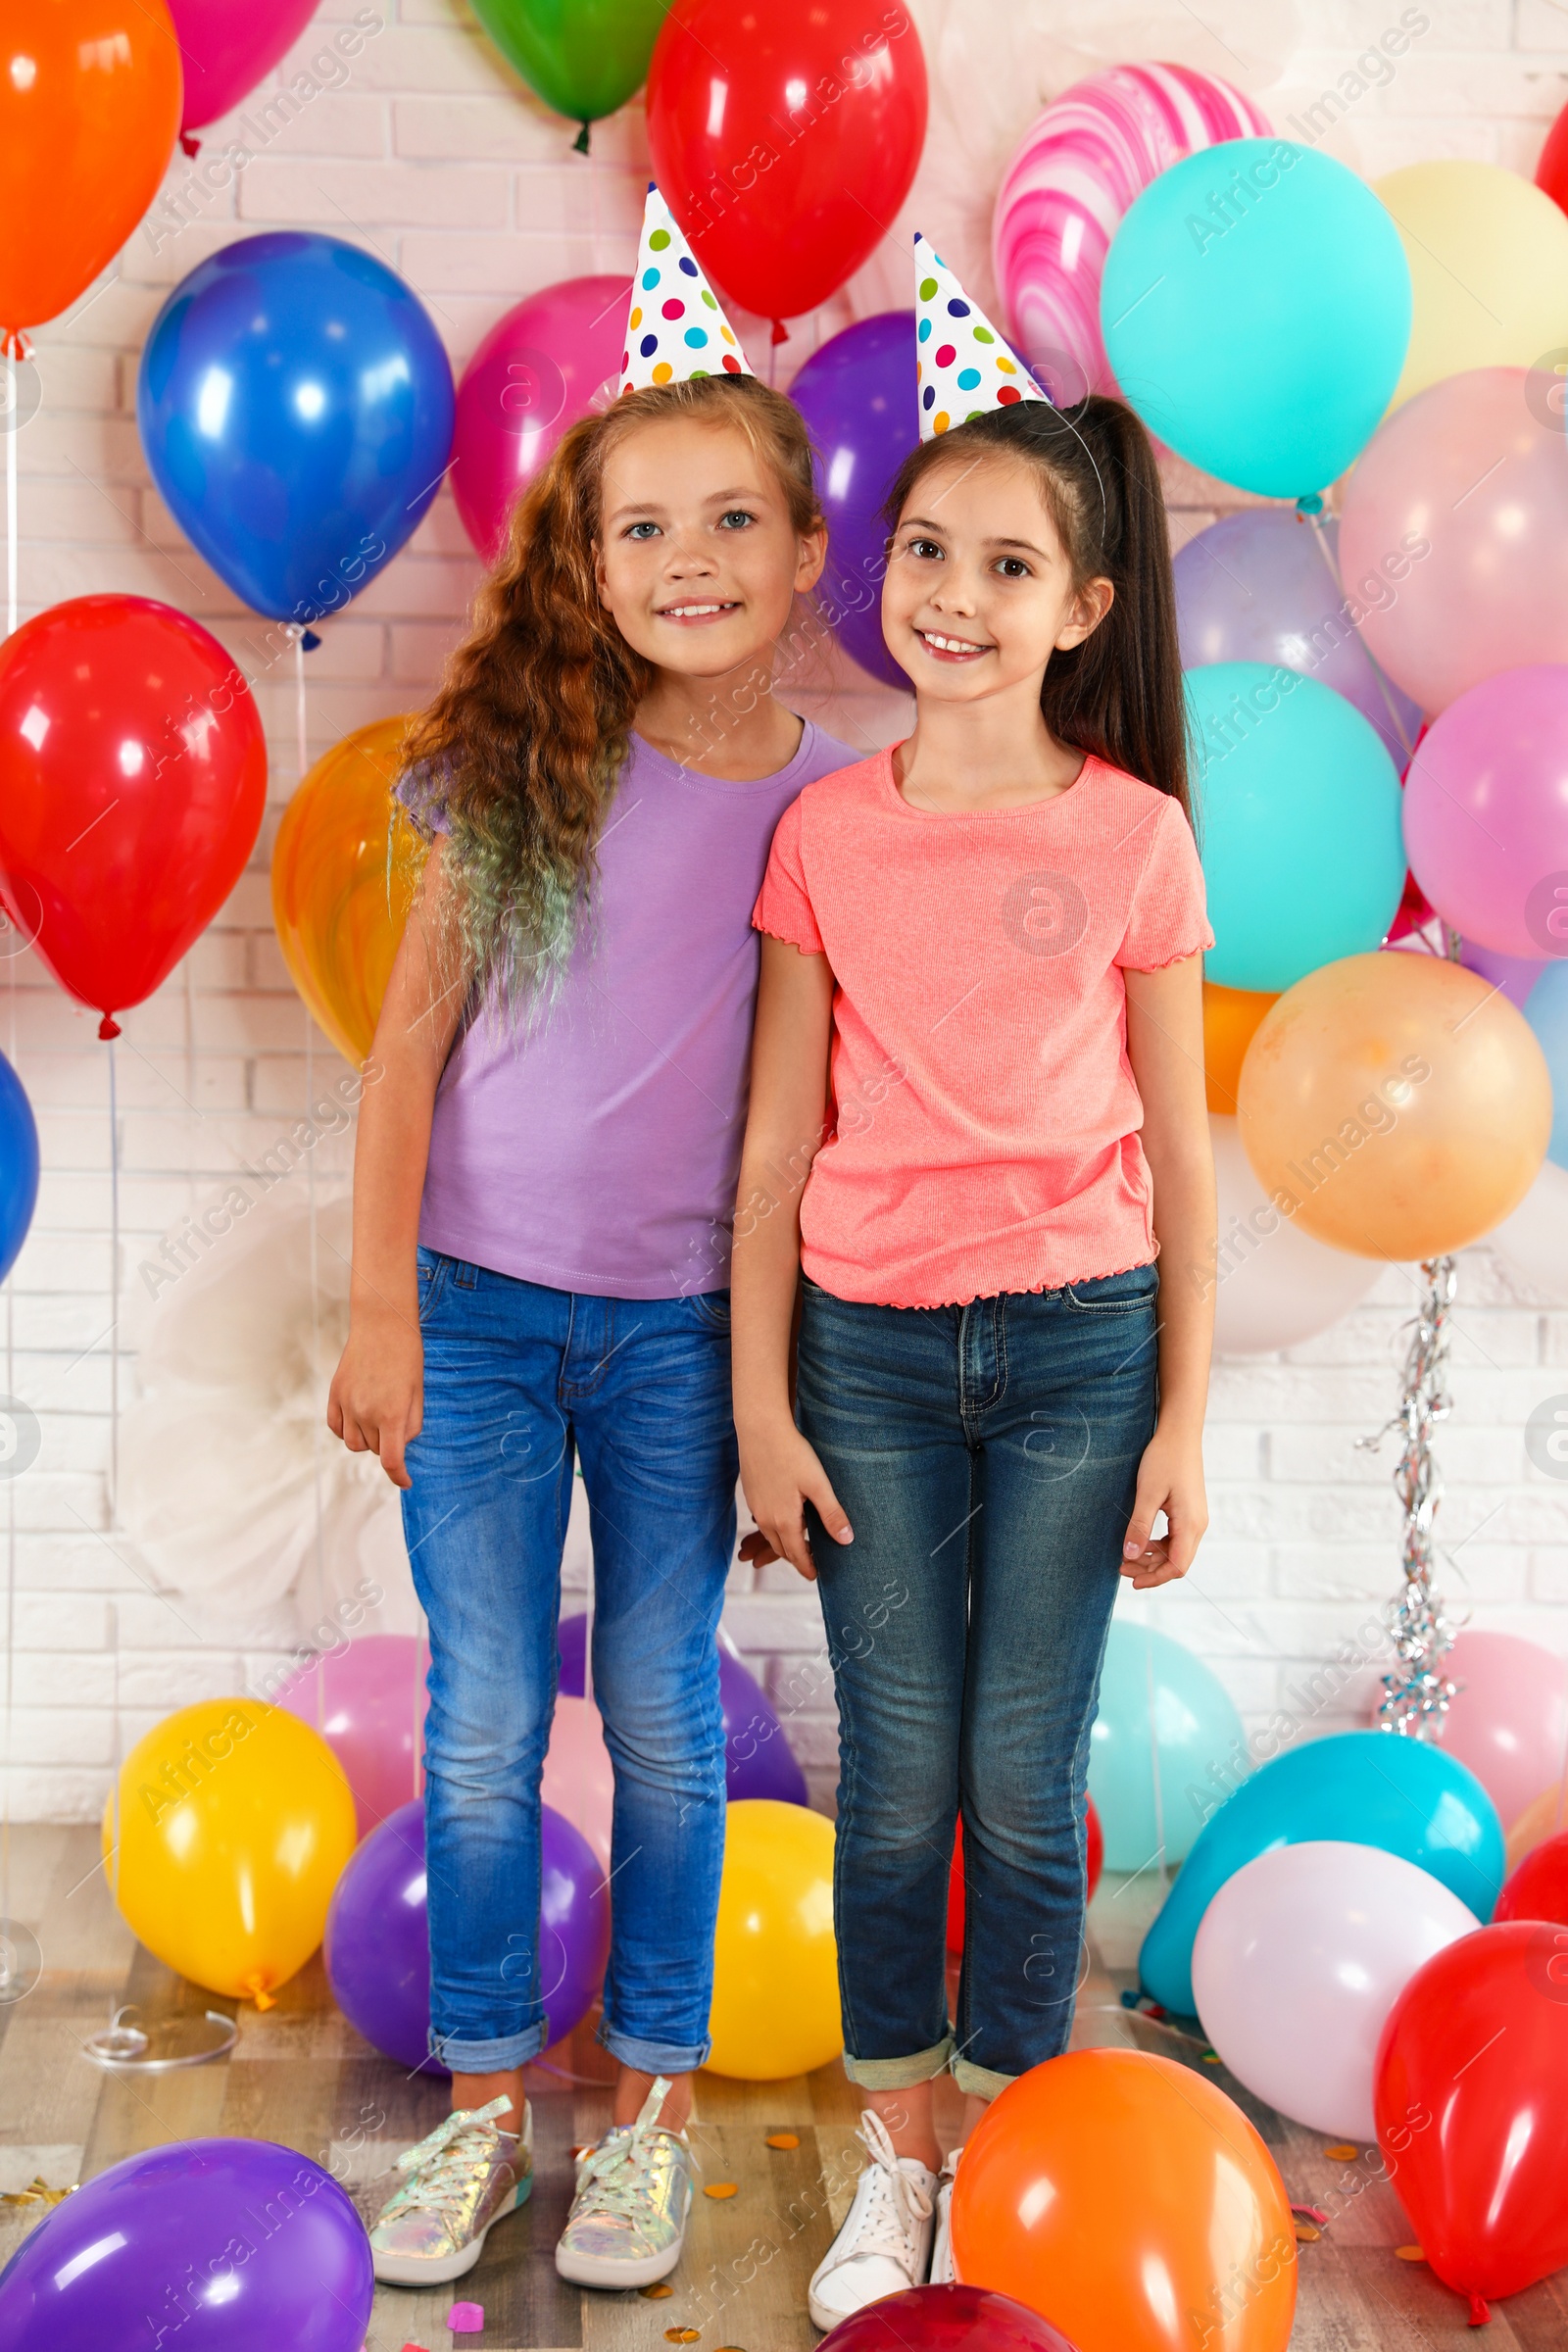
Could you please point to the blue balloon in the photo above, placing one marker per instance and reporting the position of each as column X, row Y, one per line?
column 18, row 1167
column 856, row 394
column 1255, row 308
column 1298, row 823
column 1547, row 1012
column 1363, row 1787
column 296, row 410
column 1156, row 1698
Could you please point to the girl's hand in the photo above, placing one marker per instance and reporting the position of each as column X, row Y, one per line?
column 377, row 1401
column 780, row 1474
column 1170, row 1479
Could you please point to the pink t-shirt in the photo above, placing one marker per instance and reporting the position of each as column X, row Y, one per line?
column 986, row 1121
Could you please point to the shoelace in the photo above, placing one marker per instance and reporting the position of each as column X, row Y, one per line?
column 467, row 2139
column 894, row 2201
column 617, row 2171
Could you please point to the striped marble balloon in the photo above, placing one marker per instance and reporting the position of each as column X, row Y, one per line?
column 1078, row 168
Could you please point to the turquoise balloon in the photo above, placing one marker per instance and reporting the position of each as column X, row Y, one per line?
column 1255, row 308
column 1298, row 807
column 1547, row 1012
column 1155, row 1698
column 1363, row 1787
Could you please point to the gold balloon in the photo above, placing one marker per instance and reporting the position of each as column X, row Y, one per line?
column 1395, row 1105
column 345, row 868
column 234, row 1822
column 1229, row 1022
column 1489, row 269
column 775, row 1963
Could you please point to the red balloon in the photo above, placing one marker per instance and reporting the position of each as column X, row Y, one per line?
column 1551, row 171
column 785, row 139
column 946, row 2319
column 955, row 1907
column 1472, row 2108
column 1538, row 1888
column 132, row 784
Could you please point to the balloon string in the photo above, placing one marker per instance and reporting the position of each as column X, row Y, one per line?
column 114, row 1294
column 1153, row 1759
column 1384, row 688
column 301, row 747
column 11, row 575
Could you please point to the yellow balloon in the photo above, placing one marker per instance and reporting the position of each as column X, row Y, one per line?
column 1488, row 269
column 775, row 1963
column 1231, row 1016
column 234, row 1822
column 1394, row 1105
column 345, row 867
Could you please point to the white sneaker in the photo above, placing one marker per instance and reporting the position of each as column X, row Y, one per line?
column 885, row 2245
column 943, row 2273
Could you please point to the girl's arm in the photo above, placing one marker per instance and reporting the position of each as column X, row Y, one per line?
column 1165, row 1046
column 376, row 1400
column 779, row 1471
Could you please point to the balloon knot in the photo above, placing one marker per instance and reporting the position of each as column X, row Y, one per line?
column 1480, row 2313
column 107, row 1027
column 16, row 344
column 579, row 145
column 1308, row 503
column 191, row 144
column 781, row 333
column 257, row 1992
column 309, row 641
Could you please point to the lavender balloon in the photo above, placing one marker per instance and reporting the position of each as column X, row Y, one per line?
column 856, row 394
column 218, row 2246
column 1258, row 586
column 758, row 1760
column 378, row 1944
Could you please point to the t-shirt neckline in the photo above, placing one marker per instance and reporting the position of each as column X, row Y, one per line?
column 969, row 817
column 644, row 750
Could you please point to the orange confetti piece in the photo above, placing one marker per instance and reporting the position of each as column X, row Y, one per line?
column 1343, row 2152
column 655, row 2294
column 1409, row 2253
column 720, row 2189
column 1307, row 2234
column 681, row 2335
column 780, row 2140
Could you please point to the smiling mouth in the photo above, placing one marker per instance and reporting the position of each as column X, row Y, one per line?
column 713, row 611
column 950, row 649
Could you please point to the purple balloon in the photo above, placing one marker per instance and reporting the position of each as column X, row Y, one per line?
column 1515, row 975
column 377, row 1943
column 1257, row 587
column 856, row 394
column 758, row 1760
column 218, row 2246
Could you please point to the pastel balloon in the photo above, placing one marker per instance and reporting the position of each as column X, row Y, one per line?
column 854, row 392
column 1515, row 975
column 346, row 863
column 1538, row 1888
column 368, row 1700
column 1544, row 1817
column 1262, row 586
column 1072, row 176
column 1468, row 480
column 1274, row 1284
column 1362, row 1788
column 579, row 1779
column 550, row 361
column 1203, row 2229
column 1486, row 810
column 1547, row 1012
column 1298, row 803
column 1509, row 1721
column 1166, row 1746
column 946, row 2319
column 1394, row 1105
column 1255, row 306
column 1297, row 1962
column 775, row 1962
column 227, row 46
column 1489, row 269
column 18, row 1167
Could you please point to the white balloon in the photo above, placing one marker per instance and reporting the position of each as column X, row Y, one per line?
column 1533, row 1243
column 1275, row 1284
column 1298, row 1960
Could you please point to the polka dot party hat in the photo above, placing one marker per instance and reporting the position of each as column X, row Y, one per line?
column 966, row 368
column 676, row 327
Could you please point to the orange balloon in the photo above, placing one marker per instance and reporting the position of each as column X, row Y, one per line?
column 345, row 868
column 1132, row 2205
column 90, row 98
column 1229, row 1022
column 1542, row 1818
column 1394, row 1105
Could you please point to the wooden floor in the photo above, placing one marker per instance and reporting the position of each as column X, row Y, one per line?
column 301, row 2076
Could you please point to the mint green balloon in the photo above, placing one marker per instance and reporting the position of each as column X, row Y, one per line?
column 1157, row 1702
column 583, row 57
column 1297, row 804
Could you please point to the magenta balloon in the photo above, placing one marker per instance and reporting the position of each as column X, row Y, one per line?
column 1486, row 811
column 1474, row 470
column 368, row 1700
column 227, row 46
column 547, row 363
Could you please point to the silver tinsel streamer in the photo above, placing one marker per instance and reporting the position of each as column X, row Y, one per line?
column 1415, row 1697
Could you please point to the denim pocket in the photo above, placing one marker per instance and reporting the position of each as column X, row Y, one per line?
column 433, row 1270
column 1113, row 1294
column 712, row 1309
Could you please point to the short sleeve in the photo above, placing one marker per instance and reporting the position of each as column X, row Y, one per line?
column 419, row 790
column 1168, row 917
column 783, row 906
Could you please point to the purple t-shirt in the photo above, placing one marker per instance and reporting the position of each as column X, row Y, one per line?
column 597, row 1149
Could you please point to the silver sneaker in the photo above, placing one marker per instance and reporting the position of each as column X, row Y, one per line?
column 627, row 2222
column 464, row 2177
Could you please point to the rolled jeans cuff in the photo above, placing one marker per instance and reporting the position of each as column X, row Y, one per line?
column 654, row 2057
column 979, row 2082
column 502, row 2056
column 900, row 2074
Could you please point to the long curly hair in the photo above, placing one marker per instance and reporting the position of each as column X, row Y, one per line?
column 519, row 755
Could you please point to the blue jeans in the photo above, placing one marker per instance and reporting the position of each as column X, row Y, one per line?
column 517, row 1380
column 987, row 1456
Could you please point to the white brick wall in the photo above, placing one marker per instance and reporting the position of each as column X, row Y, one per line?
column 433, row 156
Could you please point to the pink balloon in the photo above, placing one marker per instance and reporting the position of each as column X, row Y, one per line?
column 1510, row 1720
column 547, row 363
column 579, row 1779
column 1079, row 166
column 227, row 46
column 1473, row 472
column 369, row 1701
column 1486, row 812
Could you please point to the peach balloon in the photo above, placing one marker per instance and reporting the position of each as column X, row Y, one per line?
column 1394, row 1105
column 1231, row 1016
column 1542, row 1818
column 579, row 1779
column 1454, row 538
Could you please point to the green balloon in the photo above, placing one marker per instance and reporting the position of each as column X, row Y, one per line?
column 583, row 57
